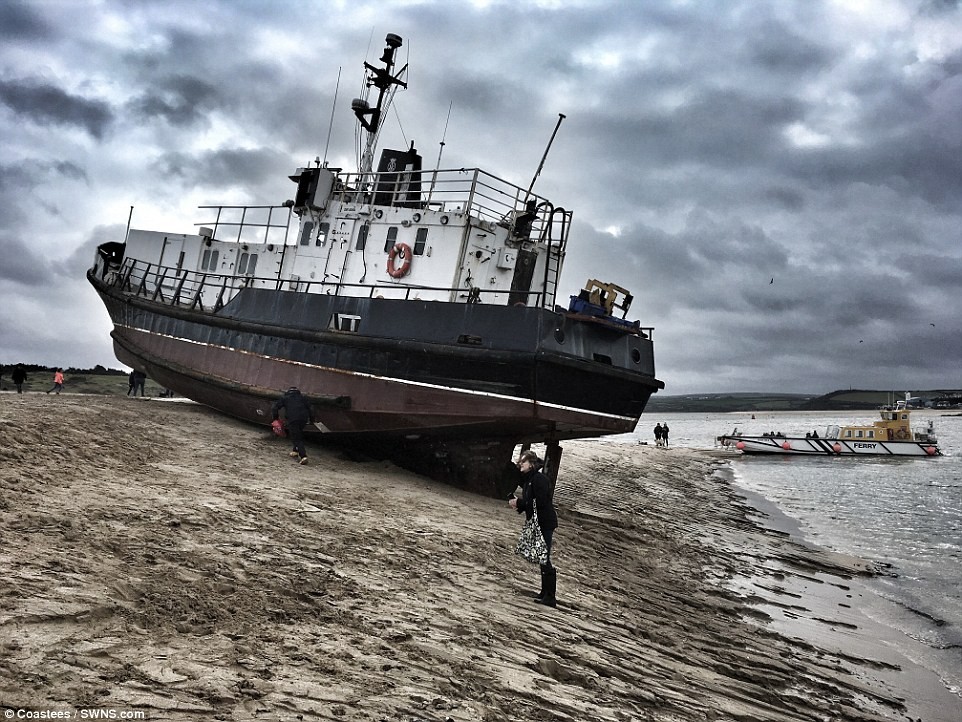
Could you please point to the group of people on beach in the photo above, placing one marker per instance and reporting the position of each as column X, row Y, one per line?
column 136, row 381
column 19, row 378
column 661, row 434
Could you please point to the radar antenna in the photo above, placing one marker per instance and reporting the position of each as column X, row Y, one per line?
column 384, row 80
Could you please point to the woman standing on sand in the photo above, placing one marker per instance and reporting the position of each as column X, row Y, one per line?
column 536, row 493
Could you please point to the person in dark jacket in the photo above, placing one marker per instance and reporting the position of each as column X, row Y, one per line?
column 297, row 413
column 536, row 488
column 19, row 376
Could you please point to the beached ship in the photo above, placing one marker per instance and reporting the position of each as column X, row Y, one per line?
column 891, row 435
column 415, row 308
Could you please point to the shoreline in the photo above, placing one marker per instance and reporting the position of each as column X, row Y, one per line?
column 176, row 561
column 841, row 617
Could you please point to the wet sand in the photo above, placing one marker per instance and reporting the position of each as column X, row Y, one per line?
column 160, row 558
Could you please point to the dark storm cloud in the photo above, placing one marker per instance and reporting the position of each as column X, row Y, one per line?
column 180, row 100
column 19, row 183
column 21, row 265
column 781, row 51
column 20, row 22
column 29, row 174
column 223, row 168
column 45, row 103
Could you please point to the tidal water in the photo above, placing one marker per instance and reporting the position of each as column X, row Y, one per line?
column 903, row 514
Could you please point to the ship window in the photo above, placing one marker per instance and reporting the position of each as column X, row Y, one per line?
column 848, row 433
column 209, row 262
column 306, row 230
column 391, row 239
column 322, row 234
column 870, row 434
column 344, row 322
column 858, row 434
column 247, row 263
column 420, row 241
column 361, row 237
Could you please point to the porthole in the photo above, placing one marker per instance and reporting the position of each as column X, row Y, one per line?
column 636, row 355
column 416, row 217
column 444, row 220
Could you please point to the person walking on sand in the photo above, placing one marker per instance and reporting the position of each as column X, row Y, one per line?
column 664, row 434
column 19, row 376
column 298, row 413
column 57, row 382
column 536, row 493
column 139, row 378
column 658, row 433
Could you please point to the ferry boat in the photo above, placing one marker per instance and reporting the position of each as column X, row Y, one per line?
column 416, row 309
column 891, row 435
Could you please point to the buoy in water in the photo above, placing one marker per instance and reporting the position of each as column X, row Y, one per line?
column 930, row 450
column 740, row 446
column 786, row 445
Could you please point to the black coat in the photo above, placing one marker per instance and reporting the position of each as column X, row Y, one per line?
column 297, row 409
column 537, row 487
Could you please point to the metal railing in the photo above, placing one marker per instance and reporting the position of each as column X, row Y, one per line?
column 210, row 292
column 249, row 230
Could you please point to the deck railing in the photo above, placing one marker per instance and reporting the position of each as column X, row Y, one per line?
column 212, row 291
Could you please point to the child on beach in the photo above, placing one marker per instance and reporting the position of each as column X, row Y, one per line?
column 57, row 381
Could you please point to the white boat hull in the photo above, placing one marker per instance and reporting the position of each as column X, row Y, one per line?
column 801, row 446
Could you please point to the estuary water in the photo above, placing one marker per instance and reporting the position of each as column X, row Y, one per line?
column 903, row 514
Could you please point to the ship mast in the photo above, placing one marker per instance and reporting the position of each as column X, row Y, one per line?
column 383, row 80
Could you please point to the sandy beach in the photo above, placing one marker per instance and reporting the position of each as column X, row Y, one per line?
column 163, row 560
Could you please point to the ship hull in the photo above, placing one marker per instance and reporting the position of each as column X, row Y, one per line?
column 802, row 446
column 441, row 377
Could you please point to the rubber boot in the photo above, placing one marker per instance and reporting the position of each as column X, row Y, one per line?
column 550, row 588
column 540, row 596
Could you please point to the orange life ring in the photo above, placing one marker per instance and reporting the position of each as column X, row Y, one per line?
column 404, row 251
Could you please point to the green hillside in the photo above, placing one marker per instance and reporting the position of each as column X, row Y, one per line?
column 98, row 380
column 841, row 400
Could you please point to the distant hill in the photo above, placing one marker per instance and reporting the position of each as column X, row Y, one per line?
column 841, row 400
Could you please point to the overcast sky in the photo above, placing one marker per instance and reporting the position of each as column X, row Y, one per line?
column 779, row 183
